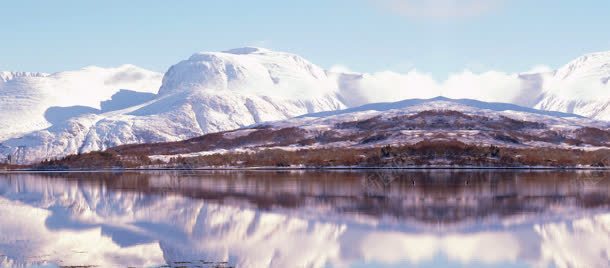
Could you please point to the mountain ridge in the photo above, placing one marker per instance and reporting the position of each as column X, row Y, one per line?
column 206, row 93
column 79, row 111
column 429, row 133
column 497, row 106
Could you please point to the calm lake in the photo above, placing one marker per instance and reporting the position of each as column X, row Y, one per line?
column 444, row 218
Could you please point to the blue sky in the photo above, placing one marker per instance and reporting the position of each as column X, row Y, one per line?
column 435, row 36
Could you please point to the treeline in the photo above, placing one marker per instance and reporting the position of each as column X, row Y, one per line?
column 5, row 166
column 424, row 153
column 96, row 160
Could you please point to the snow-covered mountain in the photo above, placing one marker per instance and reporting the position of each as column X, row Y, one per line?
column 35, row 101
column 209, row 92
column 95, row 108
column 408, row 125
column 581, row 87
column 250, row 70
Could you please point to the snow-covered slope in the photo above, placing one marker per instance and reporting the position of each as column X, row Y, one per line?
column 581, row 87
column 405, row 123
column 250, row 70
column 31, row 101
column 78, row 111
column 209, row 92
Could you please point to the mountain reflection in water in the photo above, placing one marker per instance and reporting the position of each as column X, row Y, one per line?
column 306, row 219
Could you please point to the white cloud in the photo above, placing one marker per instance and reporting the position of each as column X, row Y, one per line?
column 389, row 86
column 341, row 69
column 487, row 86
column 539, row 69
column 440, row 9
column 486, row 247
column 385, row 86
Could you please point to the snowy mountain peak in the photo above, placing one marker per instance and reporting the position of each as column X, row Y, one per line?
column 592, row 57
column 250, row 71
column 589, row 65
column 27, row 99
column 580, row 87
column 85, row 110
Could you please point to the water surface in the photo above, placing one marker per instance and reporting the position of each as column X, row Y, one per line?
column 306, row 219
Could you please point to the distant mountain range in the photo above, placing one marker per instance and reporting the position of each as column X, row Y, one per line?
column 45, row 116
column 419, row 132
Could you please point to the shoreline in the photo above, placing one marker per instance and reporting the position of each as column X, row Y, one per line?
column 535, row 168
